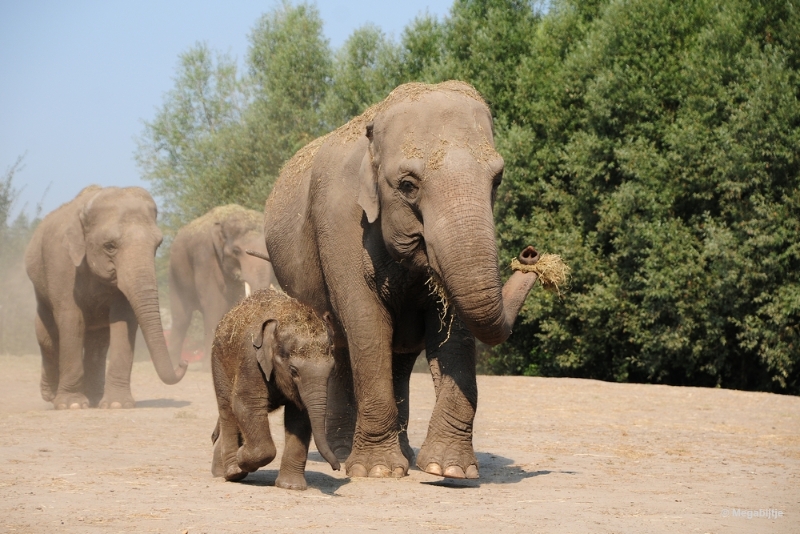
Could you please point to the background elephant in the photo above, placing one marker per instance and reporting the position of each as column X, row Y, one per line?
column 92, row 263
column 270, row 351
column 209, row 270
column 387, row 223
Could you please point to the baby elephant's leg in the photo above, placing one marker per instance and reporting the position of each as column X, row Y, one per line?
column 224, row 463
column 249, row 404
column 295, row 452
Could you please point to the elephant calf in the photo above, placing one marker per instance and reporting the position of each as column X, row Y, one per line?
column 270, row 351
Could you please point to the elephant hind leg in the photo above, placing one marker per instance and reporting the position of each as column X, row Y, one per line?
column 95, row 348
column 402, row 365
column 47, row 336
column 340, row 421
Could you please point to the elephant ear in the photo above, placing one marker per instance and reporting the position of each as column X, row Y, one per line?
column 218, row 240
column 76, row 240
column 264, row 343
column 368, row 192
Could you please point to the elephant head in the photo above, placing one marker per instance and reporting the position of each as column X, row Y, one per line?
column 239, row 231
column 301, row 360
column 430, row 177
column 115, row 237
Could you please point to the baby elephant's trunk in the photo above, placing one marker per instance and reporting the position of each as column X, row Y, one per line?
column 316, row 400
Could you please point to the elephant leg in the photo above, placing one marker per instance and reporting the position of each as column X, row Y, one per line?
column 224, row 463
column 47, row 336
column 122, row 336
column 249, row 404
column 376, row 448
column 69, row 394
column 295, row 450
column 340, row 421
column 95, row 348
column 447, row 450
column 402, row 365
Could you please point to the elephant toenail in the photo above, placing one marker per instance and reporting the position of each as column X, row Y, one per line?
column 379, row 471
column 454, row 471
column 115, row 405
column 74, row 406
column 472, row 472
column 357, row 470
column 398, row 472
column 434, row 469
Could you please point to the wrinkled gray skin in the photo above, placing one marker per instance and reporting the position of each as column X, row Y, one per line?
column 208, row 270
column 270, row 351
column 92, row 263
column 356, row 224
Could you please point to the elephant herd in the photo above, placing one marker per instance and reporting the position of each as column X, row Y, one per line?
column 383, row 228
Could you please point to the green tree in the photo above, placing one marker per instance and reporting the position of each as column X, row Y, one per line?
column 655, row 147
column 185, row 151
column 366, row 69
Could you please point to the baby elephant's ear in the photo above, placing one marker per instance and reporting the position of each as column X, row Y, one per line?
column 264, row 343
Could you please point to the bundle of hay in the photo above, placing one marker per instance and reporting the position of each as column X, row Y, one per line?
column 552, row 271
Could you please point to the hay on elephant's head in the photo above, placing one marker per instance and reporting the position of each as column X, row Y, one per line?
column 552, row 271
column 293, row 317
column 250, row 219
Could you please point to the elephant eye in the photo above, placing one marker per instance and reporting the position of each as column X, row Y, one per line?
column 110, row 247
column 293, row 371
column 408, row 188
column 237, row 251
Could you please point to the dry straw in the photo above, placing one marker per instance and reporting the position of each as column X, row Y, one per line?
column 552, row 271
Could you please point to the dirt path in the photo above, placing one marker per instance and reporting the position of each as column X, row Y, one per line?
column 556, row 455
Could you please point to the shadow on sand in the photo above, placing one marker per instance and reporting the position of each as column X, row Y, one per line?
column 494, row 469
column 323, row 482
column 162, row 403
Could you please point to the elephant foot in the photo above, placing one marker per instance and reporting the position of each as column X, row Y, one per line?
column 70, row 401
column 114, row 401
column 234, row 474
column 381, row 459
column 453, row 460
column 250, row 459
column 48, row 394
column 341, row 452
column 291, row 481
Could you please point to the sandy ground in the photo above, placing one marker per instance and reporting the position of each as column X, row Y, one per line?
column 556, row 455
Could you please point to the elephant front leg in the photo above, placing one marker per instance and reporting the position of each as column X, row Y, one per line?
column 447, row 450
column 69, row 394
column 295, row 452
column 376, row 442
column 47, row 336
column 122, row 335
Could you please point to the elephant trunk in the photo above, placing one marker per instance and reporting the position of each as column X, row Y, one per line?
column 466, row 260
column 142, row 292
column 315, row 399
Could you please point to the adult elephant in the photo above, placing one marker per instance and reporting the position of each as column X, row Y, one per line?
column 92, row 263
column 209, row 270
column 387, row 224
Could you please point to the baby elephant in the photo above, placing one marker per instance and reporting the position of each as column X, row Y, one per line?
column 270, row 351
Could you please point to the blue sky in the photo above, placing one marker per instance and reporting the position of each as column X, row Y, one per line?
column 78, row 77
